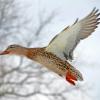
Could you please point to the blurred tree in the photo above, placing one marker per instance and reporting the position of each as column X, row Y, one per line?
column 20, row 77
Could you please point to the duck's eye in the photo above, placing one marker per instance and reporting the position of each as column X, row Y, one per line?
column 12, row 46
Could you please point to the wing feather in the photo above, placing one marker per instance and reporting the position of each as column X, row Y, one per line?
column 67, row 40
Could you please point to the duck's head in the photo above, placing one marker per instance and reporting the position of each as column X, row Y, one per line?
column 14, row 49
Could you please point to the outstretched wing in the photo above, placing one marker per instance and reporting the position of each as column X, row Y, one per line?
column 64, row 43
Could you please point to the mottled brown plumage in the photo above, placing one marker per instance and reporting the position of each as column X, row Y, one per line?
column 51, row 61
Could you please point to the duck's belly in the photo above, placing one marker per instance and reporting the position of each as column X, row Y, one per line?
column 52, row 64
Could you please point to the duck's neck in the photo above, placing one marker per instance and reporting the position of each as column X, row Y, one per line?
column 32, row 53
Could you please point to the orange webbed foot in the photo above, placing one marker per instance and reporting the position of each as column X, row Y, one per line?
column 70, row 78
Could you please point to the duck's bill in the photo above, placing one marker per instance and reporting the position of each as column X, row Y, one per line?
column 4, row 53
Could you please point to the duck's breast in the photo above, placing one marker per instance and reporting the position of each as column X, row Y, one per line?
column 52, row 64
